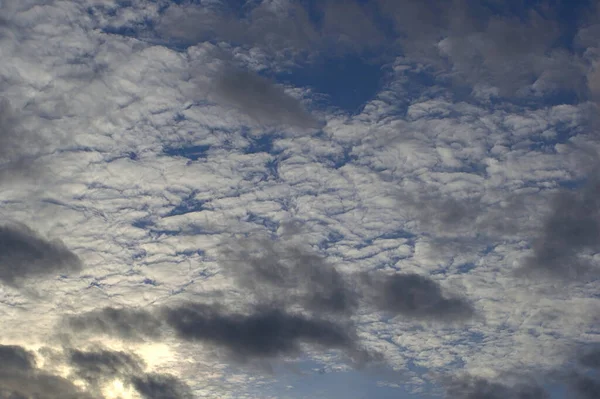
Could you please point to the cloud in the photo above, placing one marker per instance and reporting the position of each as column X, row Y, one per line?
column 569, row 232
column 20, row 378
column 16, row 358
column 278, row 28
column 263, row 334
column 477, row 44
column 18, row 146
column 161, row 386
column 130, row 324
column 284, row 273
column 102, row 366
column 479, row 388
column 260, row 99
column 97, row 369
column 415, row 296
column 24, row 254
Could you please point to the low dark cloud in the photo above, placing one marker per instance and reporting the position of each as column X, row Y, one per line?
column 18, row 146
column 130, row 324
column 261, row 99
column 285, row 274
column 20, row 378
column 23, row 254
column 479, row 388
column 415, row 296
column 591, row 359
column 571, row 230
column 16, row 358
column 263, row 334
column 161, row 386
column 101, row 366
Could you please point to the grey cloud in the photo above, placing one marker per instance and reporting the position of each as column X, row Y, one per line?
column 96, row 367
column 23, row 253
column 20, row 378
column 128, row 324
column 17, row 145
column 161, row 386
column 571, row 228
column 585, row 387
column 100, row 366
column 479, row 388
column 261, row 99
column 591, row 359
column 482, row 43
column 286, row 274
column 16, row 358
column 284, row 29
column 415, row 296
column 266, row 333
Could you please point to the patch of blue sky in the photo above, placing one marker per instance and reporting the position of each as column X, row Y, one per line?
column 311, row 380
column 187, row 205
column 264, row 221
column 192, row 153
column 348, row 82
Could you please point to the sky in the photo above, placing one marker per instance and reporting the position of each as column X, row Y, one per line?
column 290, row 199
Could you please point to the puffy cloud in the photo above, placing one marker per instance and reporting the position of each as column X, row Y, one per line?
column 23, row 254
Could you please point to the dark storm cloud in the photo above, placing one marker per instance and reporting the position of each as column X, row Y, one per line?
column 479, row 388
column 415, row 296
column 285, row 274
column 128, row 324
column 261, row 99
column 161, row 386
column 263, row 334
column 571, row 229
column 23, row 253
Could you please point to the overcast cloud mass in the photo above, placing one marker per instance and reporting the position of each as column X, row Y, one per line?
column 299, row 199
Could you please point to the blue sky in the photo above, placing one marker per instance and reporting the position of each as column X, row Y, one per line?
column 299, row 199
